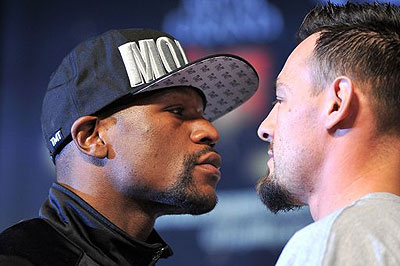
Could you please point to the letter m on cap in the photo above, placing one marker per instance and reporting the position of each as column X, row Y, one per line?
column 151, row 60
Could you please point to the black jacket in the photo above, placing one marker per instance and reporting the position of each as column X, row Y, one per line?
column 70, row 232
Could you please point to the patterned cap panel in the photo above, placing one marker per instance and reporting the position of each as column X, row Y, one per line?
column 226, row 82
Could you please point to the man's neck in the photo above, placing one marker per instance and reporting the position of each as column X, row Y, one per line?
column 353, row 171
column 127, row 215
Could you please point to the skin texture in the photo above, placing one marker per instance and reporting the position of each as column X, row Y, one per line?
column 321, row 145
column 292, row 128
column 152, row 158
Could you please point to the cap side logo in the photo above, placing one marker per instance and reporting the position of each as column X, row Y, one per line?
column 151, row 59
column 56, row 138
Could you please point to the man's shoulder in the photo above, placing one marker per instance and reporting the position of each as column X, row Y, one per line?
column 370, row 213
column 26, row 234
column 370, row 209
column 308, row 245
column 367, row 229
column 359, row 230
column 372, row 216
column 36, row 242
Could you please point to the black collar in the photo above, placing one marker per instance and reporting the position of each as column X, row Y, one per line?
column 96, row 235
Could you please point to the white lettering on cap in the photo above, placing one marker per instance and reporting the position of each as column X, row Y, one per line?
column 151, row 60
column 56, row 138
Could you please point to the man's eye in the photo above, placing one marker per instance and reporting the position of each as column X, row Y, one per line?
column 176, row 110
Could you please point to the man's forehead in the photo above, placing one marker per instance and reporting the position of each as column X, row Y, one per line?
column 306, row 48
column 153, row 97
column 300, row 57
column 281, row 86
column 297, row 66
column 169, row 94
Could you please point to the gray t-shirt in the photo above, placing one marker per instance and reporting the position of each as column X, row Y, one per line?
column 364, row 233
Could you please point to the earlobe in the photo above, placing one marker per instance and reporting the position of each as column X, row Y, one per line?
column 340, row 96
column 85, row 133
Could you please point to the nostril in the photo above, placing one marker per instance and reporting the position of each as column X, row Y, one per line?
column 207, row 141
column 264, row 136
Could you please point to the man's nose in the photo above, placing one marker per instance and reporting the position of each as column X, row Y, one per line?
column 267, row 127
column 204, row 133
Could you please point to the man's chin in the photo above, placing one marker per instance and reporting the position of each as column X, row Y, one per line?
column 274, row 196
column 201, row 204
column 194, row 205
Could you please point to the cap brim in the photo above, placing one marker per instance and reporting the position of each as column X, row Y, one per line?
column 227, row 81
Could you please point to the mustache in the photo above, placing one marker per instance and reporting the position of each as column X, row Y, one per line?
column 191, row 160
column 205, row 151
column 270, row 148
column 189, row 163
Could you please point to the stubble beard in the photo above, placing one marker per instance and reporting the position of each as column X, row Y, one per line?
column 183, row 197
column 275, row 195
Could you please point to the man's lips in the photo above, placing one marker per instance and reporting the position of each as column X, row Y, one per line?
column 270, row 153
column 211, row 161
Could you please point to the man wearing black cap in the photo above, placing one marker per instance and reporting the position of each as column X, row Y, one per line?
column 127, row 119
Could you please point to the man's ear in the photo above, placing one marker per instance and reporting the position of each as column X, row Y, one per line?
column 340, row 95
column 85, row 133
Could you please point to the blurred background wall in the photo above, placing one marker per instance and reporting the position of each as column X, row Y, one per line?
column 37, row 34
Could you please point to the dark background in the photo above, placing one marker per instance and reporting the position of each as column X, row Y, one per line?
column 36, row 35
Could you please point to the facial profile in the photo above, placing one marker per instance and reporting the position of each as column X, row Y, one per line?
column 291, row 128
column 164, row 152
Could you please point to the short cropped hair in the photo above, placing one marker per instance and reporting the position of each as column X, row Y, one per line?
column 361, row 41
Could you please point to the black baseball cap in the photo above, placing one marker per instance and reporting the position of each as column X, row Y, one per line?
column 102, row 70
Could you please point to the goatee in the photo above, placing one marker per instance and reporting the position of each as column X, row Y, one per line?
column 184, row 197
column 274, row 196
